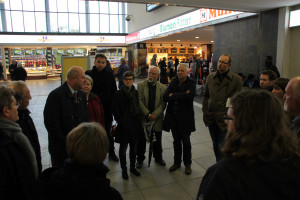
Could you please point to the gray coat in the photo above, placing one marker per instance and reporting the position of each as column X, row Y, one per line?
column 216, row 95
column 160, row 105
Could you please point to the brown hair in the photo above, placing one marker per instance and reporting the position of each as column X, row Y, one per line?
column 261, row 131
column 87, row 144
column 6, row 99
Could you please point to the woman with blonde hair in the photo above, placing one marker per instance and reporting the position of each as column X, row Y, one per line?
column 261, row 158
column 84, row 174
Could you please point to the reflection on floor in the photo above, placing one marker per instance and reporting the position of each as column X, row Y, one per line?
column 155, row 182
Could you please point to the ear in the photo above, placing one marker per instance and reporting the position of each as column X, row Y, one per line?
column 5, row 112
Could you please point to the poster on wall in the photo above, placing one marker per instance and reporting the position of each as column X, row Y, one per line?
column 18, row 52
column 39, row 52
column 29, row 52
column 60, row 51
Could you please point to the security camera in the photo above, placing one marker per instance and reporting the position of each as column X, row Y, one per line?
column 128, row 18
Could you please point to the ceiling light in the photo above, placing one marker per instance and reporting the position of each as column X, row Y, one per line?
column 196, row 37
column 195, row 47
column 178, row 40
column 212, row 41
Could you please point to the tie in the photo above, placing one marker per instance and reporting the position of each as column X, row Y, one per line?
column 75, row 95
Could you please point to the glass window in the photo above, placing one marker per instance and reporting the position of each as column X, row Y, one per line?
column 1, row 24
column 104, row 7
column 53, row 22
column 16, row 4
column 62, row 6
column 121, row 25
column 39, row 5
column 104, row 23
column 74, row 23
column 94, row 23
column 17, row 21
column 63, row 22
column 40, row 18
column 114, row 24
column 28, row 5
column 82, row 24
column 73, row 6
column 8, row 21
column 82, row 6
column 29, row 22
column 113, row 7
column 52, row 5
column 7, row 5
column 94, row 6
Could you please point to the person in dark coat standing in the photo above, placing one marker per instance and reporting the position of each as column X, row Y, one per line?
column 127, row 113
column 18, row 168
column 19, row 73
column 176, row 65
column 12, row 68
column 180, row 117
column 104, row 86
column 270, row 66
column 65, row 108
column 22, row 95
column 83, row 176
column 122, row 69
column 163, row 72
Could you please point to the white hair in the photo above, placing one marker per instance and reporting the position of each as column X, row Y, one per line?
column 152, row 66
column 186, row 66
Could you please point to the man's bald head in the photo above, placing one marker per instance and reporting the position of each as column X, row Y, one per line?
column 75, row 77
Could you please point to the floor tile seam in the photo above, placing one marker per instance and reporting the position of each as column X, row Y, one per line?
column 159, row 185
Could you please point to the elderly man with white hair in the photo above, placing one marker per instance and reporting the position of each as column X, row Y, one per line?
column 180, row 117
column 66, row 107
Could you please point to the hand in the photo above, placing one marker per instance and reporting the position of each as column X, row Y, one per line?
column 170, row 94
column 152, row 117
column 188, row 91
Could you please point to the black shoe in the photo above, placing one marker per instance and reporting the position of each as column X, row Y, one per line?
column 174, row 167
column 161, row 162
column 125, row 175
column 188, row 169
column 139, row 165
column 135, row 172
column 113, row 157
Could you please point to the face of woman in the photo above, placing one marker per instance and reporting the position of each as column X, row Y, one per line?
column 87, row 86
column 229, row 121
column 278, row 92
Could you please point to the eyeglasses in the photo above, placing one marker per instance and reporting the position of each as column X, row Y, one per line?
column 128, row 79
column 226, row 63
column 227, row 118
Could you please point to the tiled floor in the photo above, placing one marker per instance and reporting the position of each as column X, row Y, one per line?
column 155, row 182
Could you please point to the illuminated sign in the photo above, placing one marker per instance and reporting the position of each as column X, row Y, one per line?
column 294, row 18
column 132, row 37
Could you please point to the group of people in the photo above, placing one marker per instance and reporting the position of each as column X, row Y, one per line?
column 254, row 141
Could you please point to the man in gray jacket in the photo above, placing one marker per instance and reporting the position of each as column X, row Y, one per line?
column 150, row 94
column 220, row 87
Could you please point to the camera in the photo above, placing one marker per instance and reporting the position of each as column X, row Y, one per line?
column 128, row 18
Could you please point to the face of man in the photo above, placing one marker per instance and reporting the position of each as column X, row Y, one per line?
column 182, row 72
column 128, row 81
column 223, row 64
column 265, row 81
column 12, row 112
column 153, row 75
column 292, row 102
column 79, row 80
column 24, row 102
column 229, row 120
column 100, row 63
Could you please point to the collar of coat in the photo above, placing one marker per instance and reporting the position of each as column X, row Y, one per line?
column 229, row 75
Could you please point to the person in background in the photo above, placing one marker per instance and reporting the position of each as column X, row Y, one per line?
column 267, row 79
column 83, row 176
column 127, row 113
column 12, row 68
column 104, row 86
column 269, row 66
column 20, row 73
column 22, row 96
column 65, row 108
column 96, row 112
column 271, row 170
column 1, row 71
column 18, row 167
column 279, row 88
column 220, row 87
column 176, row 65
column 251, row 82
column 171, row 68
column 122, row 69
column 153, row 60
column 292, row 103
column 108, row 66
column 163, row 71
column 180, row 117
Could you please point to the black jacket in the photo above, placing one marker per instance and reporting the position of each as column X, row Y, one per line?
column 20, row 74
column 28, row 128
column 180, row 109
column 105, row 87
column 61, row 114
column 76, row 182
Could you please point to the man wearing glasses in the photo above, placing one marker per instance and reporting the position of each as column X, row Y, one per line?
column 220, row 87
column 150, row 94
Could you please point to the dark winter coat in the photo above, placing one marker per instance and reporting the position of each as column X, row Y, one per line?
column 104, row 86
column 129, row 127
column 76, row 182
column 20, row 74
column 180, row 109
column 61, row 114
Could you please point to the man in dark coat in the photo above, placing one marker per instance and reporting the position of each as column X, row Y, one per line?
column 22, row 95
column 65, row 108
column 180, row 117
column 18, row 168
column 104, row 86
column 19, row 73
column 12, row 68
column 269, row 66
column 122, row 69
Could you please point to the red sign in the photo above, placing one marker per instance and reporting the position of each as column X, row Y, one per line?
column 132, row 37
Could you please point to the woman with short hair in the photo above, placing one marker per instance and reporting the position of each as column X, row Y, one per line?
column 261, row 158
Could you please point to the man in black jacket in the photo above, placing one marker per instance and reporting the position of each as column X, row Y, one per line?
column 65, row 108
column 180, row 117
column 22, row 95
column 105, row 87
